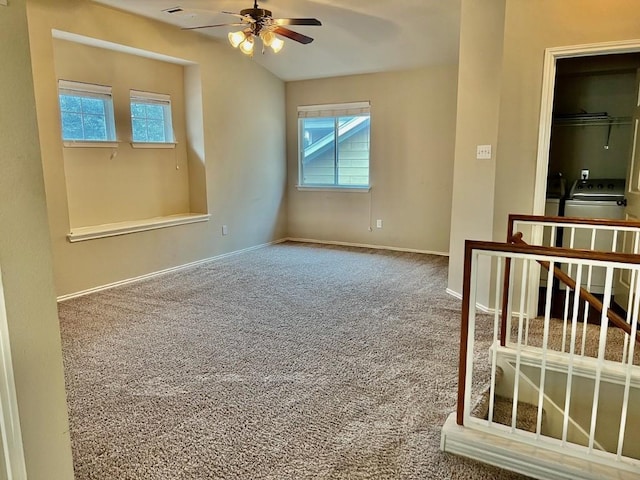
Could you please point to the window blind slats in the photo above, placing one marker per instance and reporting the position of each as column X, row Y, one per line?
column 149, row 97
column 334, row 110
column 87, row 88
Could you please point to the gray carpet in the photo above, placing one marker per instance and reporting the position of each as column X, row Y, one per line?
column 293, row 361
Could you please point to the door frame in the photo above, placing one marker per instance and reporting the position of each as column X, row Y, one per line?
column 551, row 55
column 11, row 446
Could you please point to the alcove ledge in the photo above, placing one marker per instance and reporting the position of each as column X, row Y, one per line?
column 80, row 234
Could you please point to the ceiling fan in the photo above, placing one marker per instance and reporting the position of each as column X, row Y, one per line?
column 259, row 22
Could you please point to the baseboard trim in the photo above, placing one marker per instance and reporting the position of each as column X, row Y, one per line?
column 366, row 245
column 127, row 281
column 158, row 273
column 454, row 294
column 538, row 462
column 479, row 306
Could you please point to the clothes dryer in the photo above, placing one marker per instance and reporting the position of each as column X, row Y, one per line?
column 594, row 198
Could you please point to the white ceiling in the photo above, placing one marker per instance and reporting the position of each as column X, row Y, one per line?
column 356, row 36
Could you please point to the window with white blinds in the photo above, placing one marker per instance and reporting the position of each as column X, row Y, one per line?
column 334, row 141
column 86, row 112
column 151, row 117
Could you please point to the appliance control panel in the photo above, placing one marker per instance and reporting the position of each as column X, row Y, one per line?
column 594, row 189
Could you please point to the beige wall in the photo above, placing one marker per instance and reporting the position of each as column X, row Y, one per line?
column 106, row 185
column 529, row 28
column 566, row 23
column 25, row 261
column 240, row 149
column 411, row 163
column 477, row 124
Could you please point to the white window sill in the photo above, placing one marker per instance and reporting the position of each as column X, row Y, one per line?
column 132, row 226
column 86, row 144
column 329, row 188
column 153, row 144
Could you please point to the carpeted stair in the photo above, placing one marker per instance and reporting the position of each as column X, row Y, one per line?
column 502, row 409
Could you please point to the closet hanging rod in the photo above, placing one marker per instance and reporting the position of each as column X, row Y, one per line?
column 581, row 116
column 591, row 120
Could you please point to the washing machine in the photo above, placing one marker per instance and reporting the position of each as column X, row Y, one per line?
column 595, row 198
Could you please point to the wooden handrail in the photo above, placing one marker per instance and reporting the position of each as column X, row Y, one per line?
column 584, row 294
column 540, row 219
column 556, row 252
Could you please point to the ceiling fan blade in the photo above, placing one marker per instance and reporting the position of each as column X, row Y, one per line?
column 218, row 25
column 297, row 21
column 298, row 37
column 246, row 18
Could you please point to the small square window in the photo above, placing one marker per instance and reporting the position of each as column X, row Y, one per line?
column 86, row 112
column 151, row 118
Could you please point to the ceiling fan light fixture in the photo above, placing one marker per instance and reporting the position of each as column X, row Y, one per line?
column 267, row 38
column 246, row 47
column 276, row 44
column 259, row 22
column 236, row 38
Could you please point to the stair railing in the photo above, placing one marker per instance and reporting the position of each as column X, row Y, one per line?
column 584, row 294
column 567, row 231
column 533, row 362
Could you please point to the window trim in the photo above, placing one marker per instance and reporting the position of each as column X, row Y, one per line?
column 333, row 188
column 154, row 144
column 330, row 110
column 89, row 144
column 89, row 90
column 151, row 98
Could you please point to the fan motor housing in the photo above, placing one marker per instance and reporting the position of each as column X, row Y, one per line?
column 255, row 13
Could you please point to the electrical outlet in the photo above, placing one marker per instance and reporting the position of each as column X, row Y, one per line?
column 225, row 230
column 379, row 223
column 584, row 174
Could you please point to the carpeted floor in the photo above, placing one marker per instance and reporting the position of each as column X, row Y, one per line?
column 293, row 361
column 615, row 339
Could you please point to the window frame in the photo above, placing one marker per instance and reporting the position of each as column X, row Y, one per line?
column 332, row 111
column 150, row 98
column 95, row 91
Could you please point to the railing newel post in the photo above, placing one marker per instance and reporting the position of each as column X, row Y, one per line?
column 464, row 332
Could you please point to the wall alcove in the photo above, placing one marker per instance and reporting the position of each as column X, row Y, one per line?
column 118, row 188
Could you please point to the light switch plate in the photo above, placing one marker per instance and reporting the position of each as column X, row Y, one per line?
column 483, row 152
column 4, row 2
